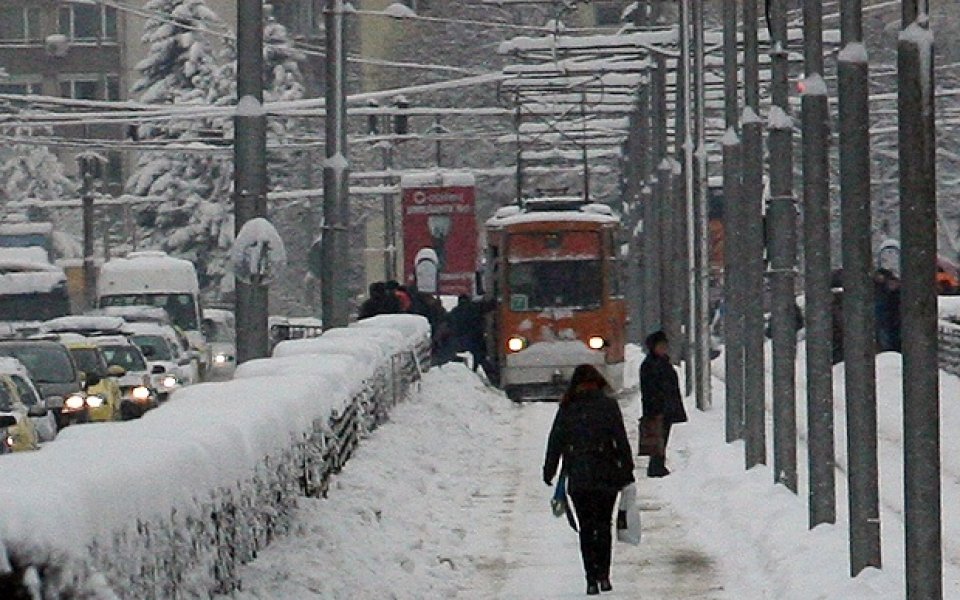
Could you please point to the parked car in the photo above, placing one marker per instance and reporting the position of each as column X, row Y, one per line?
column 136, row 387
column 20, row 435
column 43, row 418
column 55, row 375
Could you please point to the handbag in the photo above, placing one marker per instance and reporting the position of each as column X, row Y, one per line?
column 560, row 503
column 651, row 436
column 628, row 516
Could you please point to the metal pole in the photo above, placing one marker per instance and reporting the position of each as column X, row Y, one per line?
column 389, row 220
column 859, row 342
column 683, row 143
column 732, row 233
column 921, row 394
column 817, row 274
column 653, row 251
column 677, row 274
column 701, row 229
column 250, row 172
column 754, row 403
column 783, row 258
column 336, row 172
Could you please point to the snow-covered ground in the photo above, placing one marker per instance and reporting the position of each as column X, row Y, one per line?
column 446, row 501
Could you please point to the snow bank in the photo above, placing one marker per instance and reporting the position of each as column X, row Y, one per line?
column 172, row 504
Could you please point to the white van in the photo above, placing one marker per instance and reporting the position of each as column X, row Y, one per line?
column 159, row 280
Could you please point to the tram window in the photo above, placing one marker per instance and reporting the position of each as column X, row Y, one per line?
column 538, row 285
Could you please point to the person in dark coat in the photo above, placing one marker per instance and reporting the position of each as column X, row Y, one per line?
column 660, row 395
column 468, row 323
column 589, row 436
column 380, row 302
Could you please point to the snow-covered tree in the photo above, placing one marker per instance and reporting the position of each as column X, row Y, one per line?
column 33, row 172
column 283, row 81
column 192, row 218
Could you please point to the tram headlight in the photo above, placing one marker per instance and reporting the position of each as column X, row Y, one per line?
column 596, row 342
column 516, row 344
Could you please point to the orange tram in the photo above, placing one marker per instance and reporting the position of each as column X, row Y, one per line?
column 553, row 276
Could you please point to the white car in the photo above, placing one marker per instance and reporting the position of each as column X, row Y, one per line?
column 220, row 331
column 171, row 365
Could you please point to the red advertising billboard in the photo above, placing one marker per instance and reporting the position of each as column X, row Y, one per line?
column 439, row 214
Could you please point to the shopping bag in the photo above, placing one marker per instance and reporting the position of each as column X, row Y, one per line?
column 628, row 516
column 651, row 436
column 558, row 504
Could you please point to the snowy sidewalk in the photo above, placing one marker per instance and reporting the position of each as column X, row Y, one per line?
column 446, row 502
column 536, row 556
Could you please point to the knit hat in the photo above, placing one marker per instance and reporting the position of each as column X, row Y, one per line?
column 655, row 338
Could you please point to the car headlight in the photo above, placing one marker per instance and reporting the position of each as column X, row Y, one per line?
column 7, row 441
column 516, row 344
column 221, row 359
column 74, row 402
column 140, row 393
column 169, row 381
column 597, row 343
column 94, row 401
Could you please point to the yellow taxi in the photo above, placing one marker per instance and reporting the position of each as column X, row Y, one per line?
column 99, row 380
column 17, row 431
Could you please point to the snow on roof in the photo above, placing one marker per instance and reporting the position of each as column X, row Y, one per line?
column 146, row 314
column 219, row 315
column 588, row 213
column 604, row 42
column 29, row 278
column 32, row 255
column 149, row 328
column 441, row 178
column 145, row 272
column 81, row 323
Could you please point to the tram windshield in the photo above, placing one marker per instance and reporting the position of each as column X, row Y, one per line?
column 570, row 284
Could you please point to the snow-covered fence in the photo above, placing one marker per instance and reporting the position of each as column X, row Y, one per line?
column 950, row 347
column 171, row 505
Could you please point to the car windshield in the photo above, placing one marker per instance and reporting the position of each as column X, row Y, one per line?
column 218, row 332
column 572, row 284
column 180, row 307
column 89, row 361
column 27, row 394
column 6, row 398
column 154, row 347
column 127, row 357
column 46, row 363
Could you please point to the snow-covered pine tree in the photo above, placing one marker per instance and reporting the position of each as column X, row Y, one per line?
column 192, row 219
column 32, row 172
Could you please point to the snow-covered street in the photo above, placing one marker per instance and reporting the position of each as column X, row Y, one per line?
column 446, row 501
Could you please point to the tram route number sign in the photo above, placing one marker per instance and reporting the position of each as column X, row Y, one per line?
column 442, row 218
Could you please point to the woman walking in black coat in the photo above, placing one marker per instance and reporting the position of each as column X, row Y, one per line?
column 588, row 434
column 660, row 392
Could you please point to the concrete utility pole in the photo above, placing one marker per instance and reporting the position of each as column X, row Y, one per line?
column 732, row 230
column 782, row 217
column 754, row 393
column 90, row 172
column 250, row 172
column 859, row 340
column 817, row 275
column 683, row 141
column 336, row 175
column 918, row 230
column 701, row 227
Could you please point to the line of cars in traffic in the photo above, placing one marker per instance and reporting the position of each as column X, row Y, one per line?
column 110, row 366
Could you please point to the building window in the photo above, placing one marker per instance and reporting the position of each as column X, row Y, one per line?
column 20, row 25
column 88, row 22
column 80, row 88
column 113, row 88
column 8, row 87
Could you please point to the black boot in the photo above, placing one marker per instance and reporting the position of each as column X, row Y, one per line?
column 592, row 589
column 657, row 467
column 605, row 585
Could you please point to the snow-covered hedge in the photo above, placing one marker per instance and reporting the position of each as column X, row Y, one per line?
column 172, row 504
column 950, row 347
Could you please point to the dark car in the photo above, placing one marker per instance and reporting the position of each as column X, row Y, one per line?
column 54, row 373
